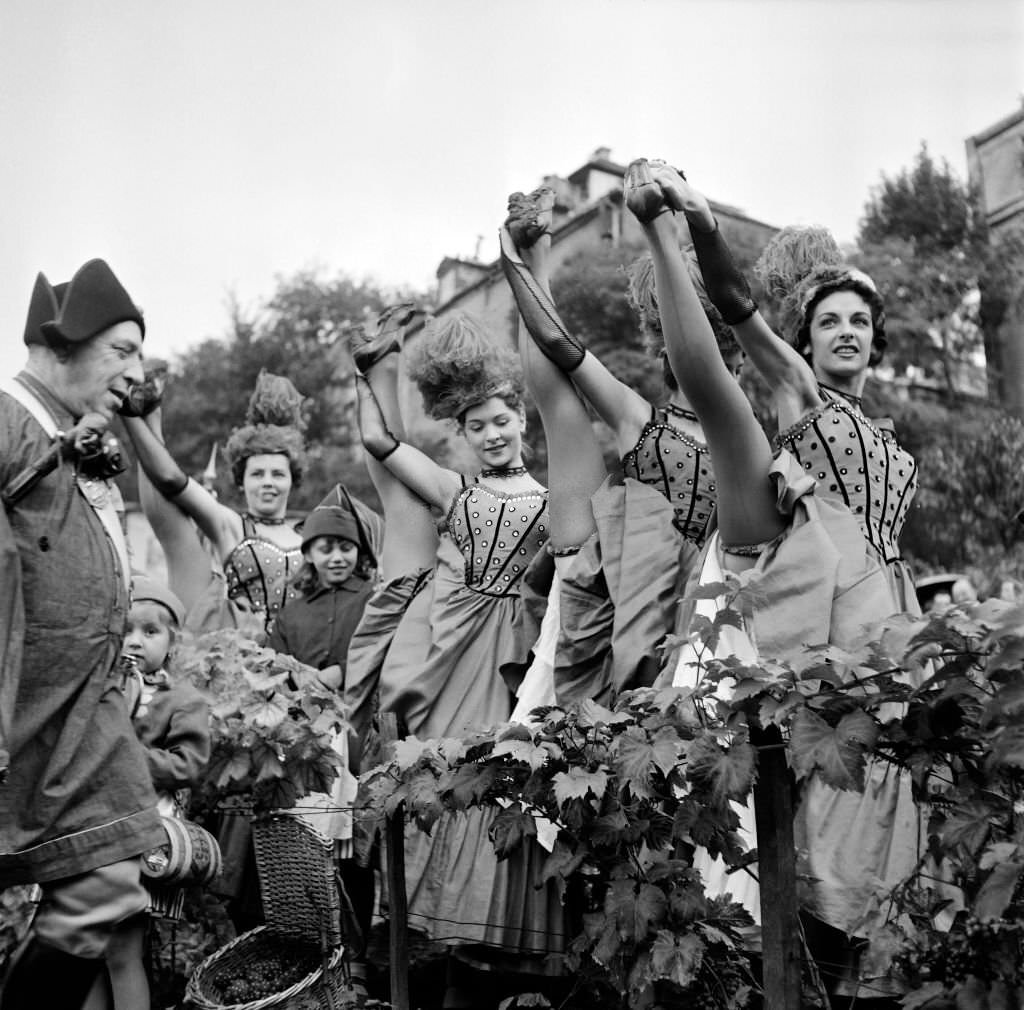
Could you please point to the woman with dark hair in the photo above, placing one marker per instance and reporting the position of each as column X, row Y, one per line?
column 259, row 551
column 816, row 520
column 628, row 544
column 441, row 674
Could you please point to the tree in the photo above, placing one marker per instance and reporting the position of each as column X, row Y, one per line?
column 301, row 331
column 921, row 242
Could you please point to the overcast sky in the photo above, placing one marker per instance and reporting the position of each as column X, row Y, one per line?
column 205, row 146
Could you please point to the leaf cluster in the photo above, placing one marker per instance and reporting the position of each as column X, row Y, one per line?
column 273, row 721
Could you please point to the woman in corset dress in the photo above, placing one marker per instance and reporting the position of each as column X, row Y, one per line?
column 441, row 675
column 624, row 547
column 854, row 841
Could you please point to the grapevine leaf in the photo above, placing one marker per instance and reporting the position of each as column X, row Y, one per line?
column 235, row 769
column 1000, row 852
column 275, row 794
column 637, row 908
column 408, row 751
column 635, row 757
column 610, row 828
column 708, row 591
column 467, row 784
column 968, row 826
column 997, row 891
column 576, row 783
column 265, row 681
column 837, row 753
column 676, row 958
column 510, row 828
column 266, row 712
column 423, row 798
column 593, row 714
column 728, row 774
column 268, row 765
column 560, row 864
column 522, row 750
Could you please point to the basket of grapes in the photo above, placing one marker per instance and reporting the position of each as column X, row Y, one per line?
column 297, row 960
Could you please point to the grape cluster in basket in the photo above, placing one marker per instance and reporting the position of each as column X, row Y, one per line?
column 272, row 973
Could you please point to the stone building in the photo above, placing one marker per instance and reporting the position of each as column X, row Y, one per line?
column 589, row 214
column 995, row 167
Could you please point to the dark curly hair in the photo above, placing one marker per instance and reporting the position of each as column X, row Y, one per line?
column 456, row 366
column 801, row 265
column 643, row 297
column 274, row 425
column 827, row 280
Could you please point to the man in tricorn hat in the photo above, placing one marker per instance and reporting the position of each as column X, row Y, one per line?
column 76, row 804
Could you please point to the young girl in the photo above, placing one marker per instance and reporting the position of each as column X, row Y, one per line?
column 334, row 584
column 172, row 720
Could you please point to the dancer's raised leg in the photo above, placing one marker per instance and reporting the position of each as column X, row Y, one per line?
column 575, row 465
column 410, row 537
column 747, row 512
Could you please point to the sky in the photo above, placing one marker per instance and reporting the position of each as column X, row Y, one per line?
column 207, row 147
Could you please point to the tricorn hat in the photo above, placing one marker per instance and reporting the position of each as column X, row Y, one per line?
column 94, row 301
column 42, row 308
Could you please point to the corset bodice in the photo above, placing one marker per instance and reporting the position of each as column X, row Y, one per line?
column 498, row 535
column 680, row 468
column 259, row 573
column 862, row 465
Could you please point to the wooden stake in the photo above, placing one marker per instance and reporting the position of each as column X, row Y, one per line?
column 776, row 864
column 398, row 911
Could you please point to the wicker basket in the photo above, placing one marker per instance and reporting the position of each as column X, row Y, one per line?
column 303, row 910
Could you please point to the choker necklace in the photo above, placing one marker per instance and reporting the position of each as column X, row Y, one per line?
column 265, row 522
column 508, row 471
column 849, row 397
column 675, row 409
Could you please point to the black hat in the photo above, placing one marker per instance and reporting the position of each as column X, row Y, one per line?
column 330, row 521
column 42, row 308
column 368, row 525
column 94, row 301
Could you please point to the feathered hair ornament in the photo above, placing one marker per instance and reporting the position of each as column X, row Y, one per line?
column 799, row 267
column 456, row 366
column 643, row 297
column 274, row 424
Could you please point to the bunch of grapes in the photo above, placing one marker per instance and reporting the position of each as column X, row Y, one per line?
column 988, row 949
column 273, row 972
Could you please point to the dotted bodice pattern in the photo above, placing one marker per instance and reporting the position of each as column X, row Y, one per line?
column 259, row 574
column 498, row 535
column 858, row 463
column 680, row 468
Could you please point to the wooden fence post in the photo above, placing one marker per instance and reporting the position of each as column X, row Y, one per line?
column 776, row 865
column 398, row 911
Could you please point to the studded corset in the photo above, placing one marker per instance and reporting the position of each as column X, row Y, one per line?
column 498, row 535
column 259, row 573
column 680, row 468
column 860, row 464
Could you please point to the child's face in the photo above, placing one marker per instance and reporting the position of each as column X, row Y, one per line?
column 148, row 634
column 333, row 558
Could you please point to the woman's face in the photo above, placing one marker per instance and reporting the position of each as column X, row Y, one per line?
column 266, row 484
column 841, row 336
column 494, row 431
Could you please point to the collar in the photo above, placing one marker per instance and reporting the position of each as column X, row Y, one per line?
column 61, row 412
column 351, row 585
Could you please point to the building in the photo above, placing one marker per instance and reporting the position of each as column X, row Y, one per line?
column 589, row 214
column 995, row 168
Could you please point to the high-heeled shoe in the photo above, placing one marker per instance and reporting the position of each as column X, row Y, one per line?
column 529, row 216
column 643, row 194
column 387, row 338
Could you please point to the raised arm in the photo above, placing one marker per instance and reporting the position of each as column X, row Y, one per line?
column 778, row 362
column 528, row 273
column 435, row 484
column 219, row 523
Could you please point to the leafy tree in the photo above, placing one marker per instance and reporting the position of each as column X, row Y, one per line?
column 301, row 331
column 921, row 242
